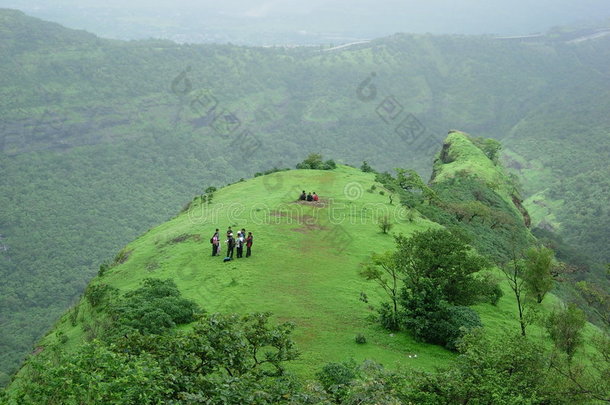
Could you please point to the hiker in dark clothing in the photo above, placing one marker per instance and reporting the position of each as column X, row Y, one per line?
column 243, row 233
column 215, row 243
column 230, row 245
column 249, row 241
column 239, row 243
column 303, row 196
column 229, row 232
column 309, row 197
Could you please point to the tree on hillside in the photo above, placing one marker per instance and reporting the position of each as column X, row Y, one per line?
column 537, row 275
column 385, row 271
column 586, row 377
column 514, row 271
column 366, row 168
column 439, row 269
column 565, row 327
column 444, row 257
column 385, row 224
column 314, row 161
column 410, row 181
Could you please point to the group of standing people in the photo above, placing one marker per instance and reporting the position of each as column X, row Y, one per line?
column 309, row 196
column 233, row 243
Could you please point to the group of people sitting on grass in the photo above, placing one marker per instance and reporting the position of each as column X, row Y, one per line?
column 233, row 243
column 308, row 197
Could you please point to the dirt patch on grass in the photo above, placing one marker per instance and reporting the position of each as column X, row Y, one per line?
column 308, row 228
column 308, row 223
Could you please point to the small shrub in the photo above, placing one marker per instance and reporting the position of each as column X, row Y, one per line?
column 329, row 165
column 314, row 161
column 360, row 339
column 363, row 297
column 103, row 269
column 366, row 168
column 444, row 327
column 495, row 294
column 337, row 377
column 74, row 315
column 96, row 293
column 385, row 224
column 489, row 289
column 565, row 327
column 387, row 318
column 154, row 308
column 61, row 337
column 461, row 320
column 122, row 256
column 381, row 192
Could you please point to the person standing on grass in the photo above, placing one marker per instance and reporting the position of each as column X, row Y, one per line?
column 229, row 231
column 240, row 245
column 230, row 245
column 215, row 243
column 249, row 241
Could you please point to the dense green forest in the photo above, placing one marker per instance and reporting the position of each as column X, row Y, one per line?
column 102, row 139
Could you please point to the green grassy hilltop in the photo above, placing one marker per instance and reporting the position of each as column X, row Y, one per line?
column 304, row 267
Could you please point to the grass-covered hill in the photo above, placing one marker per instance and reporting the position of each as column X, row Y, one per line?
column 305, row 264
column 102, row 139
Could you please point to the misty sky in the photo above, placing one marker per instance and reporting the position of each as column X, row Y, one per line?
column 310, row 20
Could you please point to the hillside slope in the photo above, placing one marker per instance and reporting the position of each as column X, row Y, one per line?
column 304, row 267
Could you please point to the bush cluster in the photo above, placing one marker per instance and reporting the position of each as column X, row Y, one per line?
column 314, row 161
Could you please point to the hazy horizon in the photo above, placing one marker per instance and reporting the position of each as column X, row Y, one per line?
column 313, row 22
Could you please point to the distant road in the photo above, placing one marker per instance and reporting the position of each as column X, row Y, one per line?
column 346, row 45
column 591, row 36
column 522, row 36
